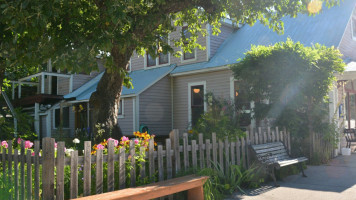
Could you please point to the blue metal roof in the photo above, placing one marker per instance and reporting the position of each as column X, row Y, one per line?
column 141, row 80
column 325, row 28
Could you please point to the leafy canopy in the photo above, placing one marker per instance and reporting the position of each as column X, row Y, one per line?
column 73, row 33
column 289, row 83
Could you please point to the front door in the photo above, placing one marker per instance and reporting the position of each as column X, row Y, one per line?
column 197, row 103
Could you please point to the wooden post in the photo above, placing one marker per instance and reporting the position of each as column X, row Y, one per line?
column 22, row 170
column 196, row 193
column 60, row 171
column 151, row 159
column 9, row 159
column 221, row 156
column 201, row 151
column 110, row 170
column 99, row 171
column 238, row 152
column 174, row 135
column 232, row 152
column 87, row 168
column 277, row 134
column 185, row 151
column 243, row 155
column 74, row 174
column 48, row 168
column 133, row 163
column 215, row 148
column 16, row 171
column 207, row 150
column 269, row 138
column 169, row 158
column 29, row 174
column 260, row 135
column 37, row 171
column 143, row 165
column 160, row 163
column 227, row 160
column 122, row 168
column 194, row 153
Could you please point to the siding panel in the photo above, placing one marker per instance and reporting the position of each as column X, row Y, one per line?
column 126, row 123
column 348, row 45
column 217, row 40
column 216, row 82
column 155, row 107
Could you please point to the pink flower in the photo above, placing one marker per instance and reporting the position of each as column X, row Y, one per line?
column 19, row 141
column 28, row 144
column 55, row 145
column 4, row 144
column 33, row 154
column 124, row 138
column 116, row 142
column 136, row 141
column 100, row 146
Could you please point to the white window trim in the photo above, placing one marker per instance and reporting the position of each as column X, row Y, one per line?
column 190, row 101
column 157, row 59
column 54, row 117
column 129, row 65
column 123, row 106
column 157, row 62
column 353, row 35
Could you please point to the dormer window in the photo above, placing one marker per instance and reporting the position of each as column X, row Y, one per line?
column 186, row 35
column 353, row 26
column 160, row 60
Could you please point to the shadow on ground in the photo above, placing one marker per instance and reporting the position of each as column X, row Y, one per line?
column 336, row 180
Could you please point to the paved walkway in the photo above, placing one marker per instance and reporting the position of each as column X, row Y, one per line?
column 334, row 181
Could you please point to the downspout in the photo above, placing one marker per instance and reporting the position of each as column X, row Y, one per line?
column 8, row 102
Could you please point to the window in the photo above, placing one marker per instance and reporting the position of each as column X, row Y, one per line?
column 160, row 60
column 186, row 34
column 196, row 102
column 65, row 117
column 121, row 108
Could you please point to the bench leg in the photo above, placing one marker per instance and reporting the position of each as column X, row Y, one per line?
column 273, row 175
column 196, row 193
column 302, row 170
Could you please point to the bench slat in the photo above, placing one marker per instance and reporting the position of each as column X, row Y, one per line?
column 266, row 146
column 154, row 190
column 281, row 151
column 292, row 161
column 269, row 150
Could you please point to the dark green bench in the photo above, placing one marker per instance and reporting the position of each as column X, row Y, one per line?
column 273, row 156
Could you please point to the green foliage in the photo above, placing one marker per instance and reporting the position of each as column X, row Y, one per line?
column 289, row 84
column 6, row 189
column 223, row 182
column 73, row 33
column 221, row 118
column 24, row 126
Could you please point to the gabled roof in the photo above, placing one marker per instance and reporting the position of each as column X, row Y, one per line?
column 141, row 80
column 326, row 28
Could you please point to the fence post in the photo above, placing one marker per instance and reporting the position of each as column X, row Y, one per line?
column 99, row 171
column 185, row 151
column 169, row 158
column 87, row 168
column 194, row 153
column 22, row 168
column 174, row 135
column 110, row 169
column 60, row 170
column 9, row 159
column 48, row 168
column 16, row 170
column 122, row 168
column 29, row 174
column 201, row 151
column 215, row 148
column 207, row 150
column 151, row 159
column 227, row 160
column 133, row 163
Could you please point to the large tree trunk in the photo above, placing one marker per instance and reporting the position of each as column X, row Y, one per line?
column 105, row 101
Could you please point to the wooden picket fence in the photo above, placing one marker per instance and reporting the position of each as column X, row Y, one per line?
column 178, row 153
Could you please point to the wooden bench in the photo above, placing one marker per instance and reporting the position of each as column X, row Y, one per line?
column 350, row 137
column 194, row 185
column 273, row 156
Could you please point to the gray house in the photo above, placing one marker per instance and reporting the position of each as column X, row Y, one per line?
column 169, row 91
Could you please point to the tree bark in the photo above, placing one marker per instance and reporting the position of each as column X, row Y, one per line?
column 105, row 101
